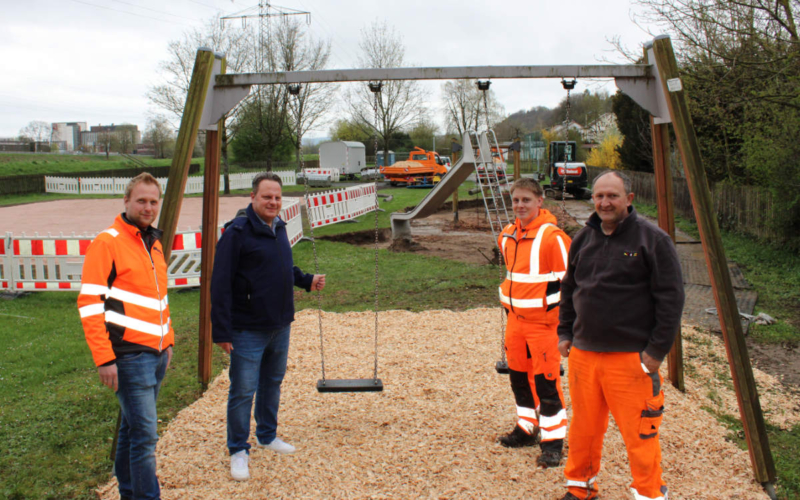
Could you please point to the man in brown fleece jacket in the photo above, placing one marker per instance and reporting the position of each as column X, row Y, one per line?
column 621, row 305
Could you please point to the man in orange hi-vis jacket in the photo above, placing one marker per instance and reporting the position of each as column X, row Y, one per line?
column 535, row 253
column 125, row 315
column 621, row 305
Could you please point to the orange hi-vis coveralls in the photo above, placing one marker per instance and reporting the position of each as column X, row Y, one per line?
column 536, row 260
column 622, row 296
column 123, row 309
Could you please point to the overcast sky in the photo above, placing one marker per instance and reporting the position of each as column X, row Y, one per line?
column 94, row 60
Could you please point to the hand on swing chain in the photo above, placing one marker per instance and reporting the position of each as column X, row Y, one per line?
column 319, row 282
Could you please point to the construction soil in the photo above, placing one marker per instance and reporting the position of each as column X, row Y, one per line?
column 432, row 432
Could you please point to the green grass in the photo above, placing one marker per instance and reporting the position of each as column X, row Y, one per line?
column 785, row 447
column 31, row 163
column 56, row 419
column 773, row 272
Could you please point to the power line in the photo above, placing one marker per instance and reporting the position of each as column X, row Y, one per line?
column 205, row 5
column 156, row 11
column 130, row 13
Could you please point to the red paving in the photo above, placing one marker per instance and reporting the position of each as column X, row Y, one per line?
column 93, row 216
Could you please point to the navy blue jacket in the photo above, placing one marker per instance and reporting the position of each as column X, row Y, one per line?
column 253, row 278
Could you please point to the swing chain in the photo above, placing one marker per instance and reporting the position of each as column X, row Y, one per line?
column 313, row 241
column 483, row 86
column 568, row 85
column 375, row 87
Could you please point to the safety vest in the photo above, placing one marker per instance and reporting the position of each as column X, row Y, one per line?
column 123, row 298
column 536, row 261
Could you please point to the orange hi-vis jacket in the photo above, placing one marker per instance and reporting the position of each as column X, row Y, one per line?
column 536, row 261
column 123, row 299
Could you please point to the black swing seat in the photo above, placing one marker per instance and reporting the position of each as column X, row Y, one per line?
column 350, row 385
column 501, row 367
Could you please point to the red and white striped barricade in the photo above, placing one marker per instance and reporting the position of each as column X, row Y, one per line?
column 183, row 269
column 340, row 205
column 47, row 263
column 6, row 279
column 290, row 214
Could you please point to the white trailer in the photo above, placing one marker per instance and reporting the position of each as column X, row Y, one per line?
column 346, row 156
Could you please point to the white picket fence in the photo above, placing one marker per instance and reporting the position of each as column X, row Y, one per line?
column 39, row 263
column 116, row 185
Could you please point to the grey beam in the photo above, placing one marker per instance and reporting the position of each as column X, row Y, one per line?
column 449, row 73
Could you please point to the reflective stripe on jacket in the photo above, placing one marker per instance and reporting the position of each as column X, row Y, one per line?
column 536, row 260
column 123, row 298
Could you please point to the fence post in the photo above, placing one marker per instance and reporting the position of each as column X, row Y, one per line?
column 738, row 357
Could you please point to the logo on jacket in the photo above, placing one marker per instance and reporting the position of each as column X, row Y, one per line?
column 630, row 254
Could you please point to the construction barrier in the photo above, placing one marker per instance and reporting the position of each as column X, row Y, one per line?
column 32, row 263
column 340, row 205
column 322, row 173
column 117, row 185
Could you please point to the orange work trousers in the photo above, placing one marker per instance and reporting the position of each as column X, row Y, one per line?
column 532, row 350
column 615, row 381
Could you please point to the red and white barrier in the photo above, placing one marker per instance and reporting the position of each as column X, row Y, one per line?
column 31, row 263
column 333, row 173
column 340, row 205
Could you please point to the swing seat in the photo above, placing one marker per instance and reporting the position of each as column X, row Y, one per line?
column 350, row 385
column 501, row 367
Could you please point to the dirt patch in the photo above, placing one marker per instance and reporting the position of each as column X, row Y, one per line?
column 467, row 240
column 780, row 360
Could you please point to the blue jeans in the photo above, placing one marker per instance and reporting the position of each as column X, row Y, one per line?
column 258, row 364
column 140, row 377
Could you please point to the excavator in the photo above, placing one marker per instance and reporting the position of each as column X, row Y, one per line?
column 421, row 169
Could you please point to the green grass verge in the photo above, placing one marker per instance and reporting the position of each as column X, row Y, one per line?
column 31, row 163
column 56, row 419
column 773, row 272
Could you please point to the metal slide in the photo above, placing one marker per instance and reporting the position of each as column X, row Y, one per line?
column 401, row 226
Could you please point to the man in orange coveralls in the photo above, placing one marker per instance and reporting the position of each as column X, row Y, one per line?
column 621, row 305
column 535, row 252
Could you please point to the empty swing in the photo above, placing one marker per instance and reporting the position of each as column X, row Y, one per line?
column 325, row 384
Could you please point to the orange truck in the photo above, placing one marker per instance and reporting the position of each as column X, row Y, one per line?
column 423, row 168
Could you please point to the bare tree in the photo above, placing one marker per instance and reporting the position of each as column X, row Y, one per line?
column 464, row 107
column 126, row 137
column 299, row 52
column 237, row 45
column 159, row 133
column 400, row 103
column 108, row 140
column 36, row 131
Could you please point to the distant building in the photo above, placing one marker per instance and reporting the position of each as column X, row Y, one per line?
column 10, row 144
column 68, row 135
column 573, row 125
column 89, row 139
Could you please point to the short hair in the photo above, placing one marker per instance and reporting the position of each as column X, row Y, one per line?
column 144, row 177
column 529, row 184
column 626, row 180
column 265, row 176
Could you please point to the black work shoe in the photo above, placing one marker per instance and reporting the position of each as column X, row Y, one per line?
column 549, row 459
column 519, row 438
column 569, row 496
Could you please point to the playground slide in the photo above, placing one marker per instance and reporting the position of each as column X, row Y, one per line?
column 438, row 195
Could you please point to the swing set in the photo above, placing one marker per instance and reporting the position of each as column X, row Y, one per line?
column 655, row 85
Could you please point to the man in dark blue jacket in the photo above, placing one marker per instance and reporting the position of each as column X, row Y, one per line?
column 252, row 309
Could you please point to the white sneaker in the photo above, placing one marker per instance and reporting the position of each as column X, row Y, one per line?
column 278, row 445
column 240, row 470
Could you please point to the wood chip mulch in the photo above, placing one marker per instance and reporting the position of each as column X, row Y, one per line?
column 430, row 434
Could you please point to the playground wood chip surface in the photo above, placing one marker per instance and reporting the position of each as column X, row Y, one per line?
column 432, row 432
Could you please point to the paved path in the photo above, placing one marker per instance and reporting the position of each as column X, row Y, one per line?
column 93, row 216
